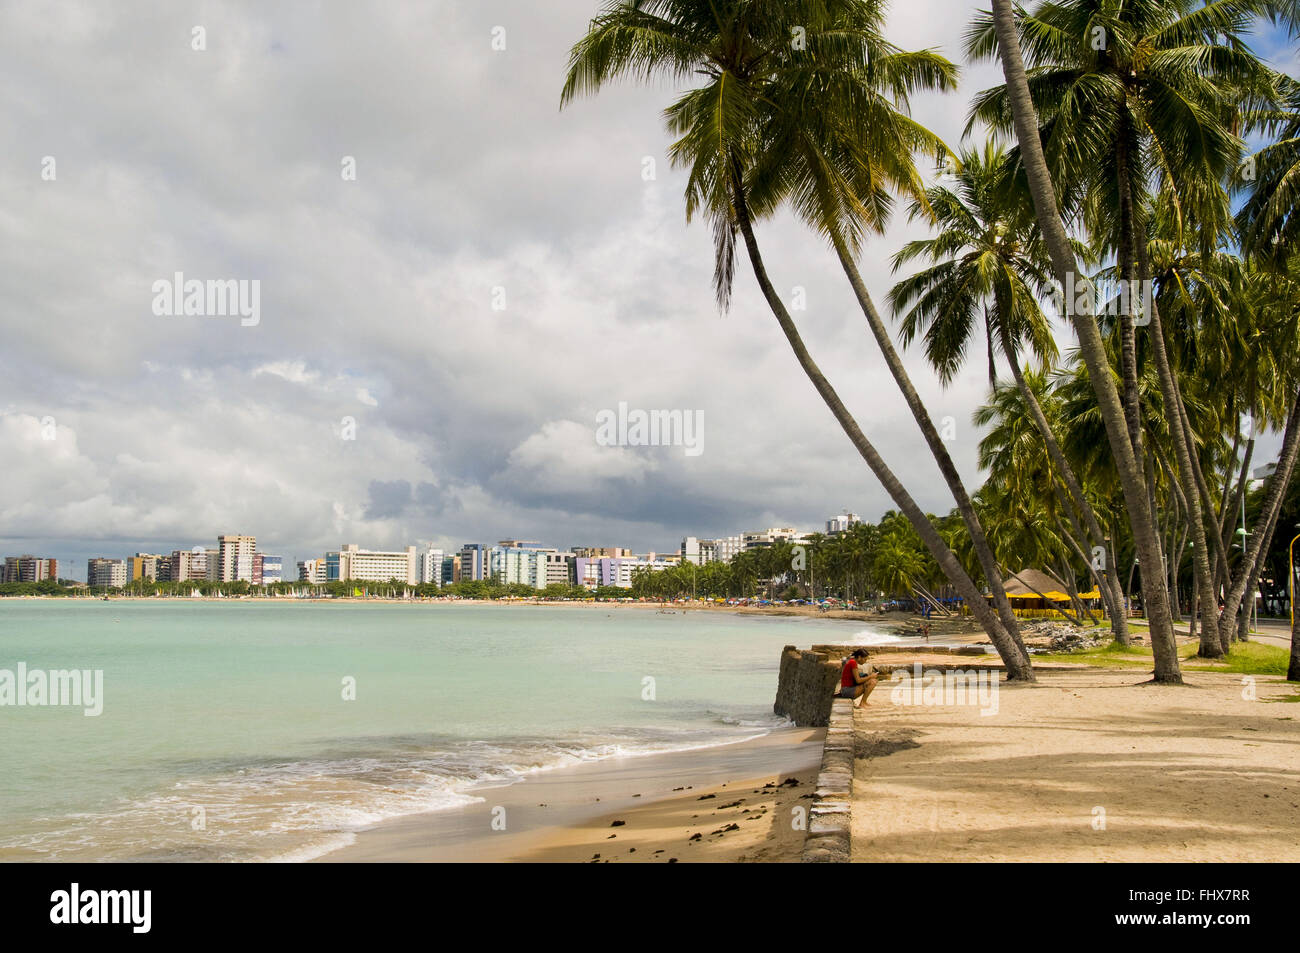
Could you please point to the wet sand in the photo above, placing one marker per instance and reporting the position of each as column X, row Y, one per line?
column 568, row 814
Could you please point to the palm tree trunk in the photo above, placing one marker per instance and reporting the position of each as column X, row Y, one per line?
column 1092, row 349
column 1217, row 546
column 1201, row 582
column 1293, row 667
column 1189, row 473
column 1013, row 655
column 1127, row 334
column 979, row 542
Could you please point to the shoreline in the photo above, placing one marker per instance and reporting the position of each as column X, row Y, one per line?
column 956, row 630
column 662, row 800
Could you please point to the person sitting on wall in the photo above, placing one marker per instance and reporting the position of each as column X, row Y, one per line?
column 857, row 678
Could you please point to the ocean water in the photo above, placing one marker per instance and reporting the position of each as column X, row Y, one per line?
column 225, row 733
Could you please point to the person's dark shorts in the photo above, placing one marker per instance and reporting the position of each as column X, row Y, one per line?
column 848, row 691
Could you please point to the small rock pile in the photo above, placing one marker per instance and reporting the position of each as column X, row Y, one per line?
column 1062, row 637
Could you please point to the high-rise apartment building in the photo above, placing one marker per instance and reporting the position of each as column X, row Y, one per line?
column 143, row 566
column 433, row 567
column 723, row 549
column 188, row 564
column 267, row 569
column 29, row 568
column 473, row 562
column 102, row 572
column 353, row 563
column 312, row 571
column 606, row 571
column 235, row 558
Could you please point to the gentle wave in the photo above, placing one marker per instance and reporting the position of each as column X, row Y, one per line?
column 299, row 810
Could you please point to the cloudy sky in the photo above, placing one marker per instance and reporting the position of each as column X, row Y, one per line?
column 437, row 334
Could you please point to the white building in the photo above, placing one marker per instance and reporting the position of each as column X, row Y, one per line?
column 842, row 523
column 104, row 572
column 769, row 537
column 723, row 549
column 431, row 561
column 235, row 558
column 610, row 571
column 1259, row 475
column 375, row 566
column 311, row 571
column 559, row 568
column 529, row 564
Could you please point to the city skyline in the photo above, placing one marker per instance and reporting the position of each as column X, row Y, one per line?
column 78, row 568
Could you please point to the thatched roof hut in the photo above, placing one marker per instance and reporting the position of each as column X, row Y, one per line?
column 1035, row 584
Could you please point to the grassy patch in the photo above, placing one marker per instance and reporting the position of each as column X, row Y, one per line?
column 1246, row 658
column 1110, row 655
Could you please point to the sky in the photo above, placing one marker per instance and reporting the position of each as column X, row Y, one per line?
column 456, row 278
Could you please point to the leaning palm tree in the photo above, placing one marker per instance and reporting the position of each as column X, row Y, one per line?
column 987, row 260
column 802, row 160
column 795, row 81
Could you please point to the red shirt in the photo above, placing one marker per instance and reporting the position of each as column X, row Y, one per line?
column 846, row 677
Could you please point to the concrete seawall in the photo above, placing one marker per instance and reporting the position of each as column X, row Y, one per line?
column 830, row 818
column 805, row 686
column 809, row 677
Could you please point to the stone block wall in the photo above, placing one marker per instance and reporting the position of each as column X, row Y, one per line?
column 805, row 686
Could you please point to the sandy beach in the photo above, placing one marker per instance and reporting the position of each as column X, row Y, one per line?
column 663, row 801
column 1084, row 766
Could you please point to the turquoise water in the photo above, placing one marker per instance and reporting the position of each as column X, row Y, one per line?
column 225, row 734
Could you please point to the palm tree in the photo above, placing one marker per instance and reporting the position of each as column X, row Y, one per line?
column 762, row 88
column 897, row 567
column 1024, row 119
column 1268, row 221
column 989, row 262
column 1153, row 102
column 1025, row 483
column 802, row 162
